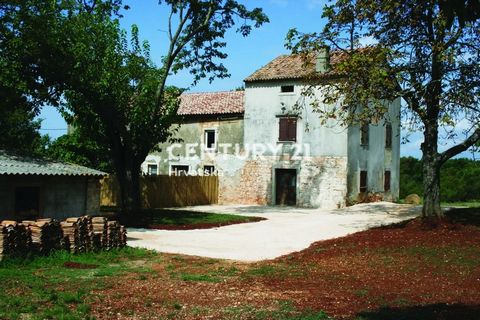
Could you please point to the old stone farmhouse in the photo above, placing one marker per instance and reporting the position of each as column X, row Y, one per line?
column 33, row 188
column 268, row 146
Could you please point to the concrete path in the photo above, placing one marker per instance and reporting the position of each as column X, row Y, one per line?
column 286, row 230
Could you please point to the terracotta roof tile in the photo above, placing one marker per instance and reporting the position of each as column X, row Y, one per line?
column 204, row 103
column 290, row 67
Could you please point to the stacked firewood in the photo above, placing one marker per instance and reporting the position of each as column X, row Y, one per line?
column 15, row 239
column 100, row 231
column 79, row 234
column 46, row 234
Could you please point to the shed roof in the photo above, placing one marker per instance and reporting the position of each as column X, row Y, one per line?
column 293, row 66
column 210, row 103
column 11, row 164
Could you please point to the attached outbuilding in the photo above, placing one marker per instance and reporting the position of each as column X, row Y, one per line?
column 37, row 188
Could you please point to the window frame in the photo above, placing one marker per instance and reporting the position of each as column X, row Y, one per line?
column 283, row 89
column 388, row 135
column 363, row 185
column 289, row 134
column 205, row 138
column 365, row 135
column 150, row 165
column 387, row 187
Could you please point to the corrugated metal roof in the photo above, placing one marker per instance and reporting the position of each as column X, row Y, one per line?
column 228, row 102
column 19, row 165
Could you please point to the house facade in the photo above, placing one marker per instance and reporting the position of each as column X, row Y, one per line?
column 33, row 188
column 282, row 153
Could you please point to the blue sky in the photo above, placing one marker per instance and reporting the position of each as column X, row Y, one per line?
column 245, row 55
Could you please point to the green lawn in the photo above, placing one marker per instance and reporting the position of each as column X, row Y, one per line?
column 465, row 204
column 167, row 217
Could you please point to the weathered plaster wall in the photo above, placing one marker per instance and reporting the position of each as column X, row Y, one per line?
column 60, row 197
column 229, row 130
column 375, row 158
column 264, row 103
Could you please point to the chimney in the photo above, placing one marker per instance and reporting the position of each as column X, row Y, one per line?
column 323, row 60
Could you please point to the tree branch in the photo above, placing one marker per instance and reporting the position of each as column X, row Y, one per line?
column 453, row 151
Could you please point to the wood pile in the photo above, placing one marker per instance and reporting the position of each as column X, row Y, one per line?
column 100, row 232
column 46, row 234
column 78, row 234
column 15, row 239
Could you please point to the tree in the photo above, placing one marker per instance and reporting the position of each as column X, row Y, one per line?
column 109, row 86
column 76, row 147
column 427, row 53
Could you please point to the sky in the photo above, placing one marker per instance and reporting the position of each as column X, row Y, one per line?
column 245, row 54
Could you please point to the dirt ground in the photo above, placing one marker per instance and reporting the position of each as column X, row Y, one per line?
column 405, row 271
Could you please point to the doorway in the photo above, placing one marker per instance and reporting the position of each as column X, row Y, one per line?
column 27, row 202
column 286, row 187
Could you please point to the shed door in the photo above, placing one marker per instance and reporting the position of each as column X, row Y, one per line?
column 27, row 202
column 286, row 187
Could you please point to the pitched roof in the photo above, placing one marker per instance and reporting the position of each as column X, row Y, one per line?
column 210, row 103
column 293, row 66
column 19, row 165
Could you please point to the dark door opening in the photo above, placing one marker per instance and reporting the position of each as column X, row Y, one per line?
column 286, row 187
column 27, row 202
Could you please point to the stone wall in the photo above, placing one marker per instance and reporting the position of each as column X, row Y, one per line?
column 321, row 182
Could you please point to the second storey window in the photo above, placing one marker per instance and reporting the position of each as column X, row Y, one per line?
column 388, row 136
column 210, row 139
column 287, row 89
column 364, row 135
column 287, row 129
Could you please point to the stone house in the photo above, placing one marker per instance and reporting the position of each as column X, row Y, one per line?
column 36, row 188
column 284, row 154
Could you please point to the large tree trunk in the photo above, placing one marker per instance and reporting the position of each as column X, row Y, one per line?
column 431, row 172
column 128, row 175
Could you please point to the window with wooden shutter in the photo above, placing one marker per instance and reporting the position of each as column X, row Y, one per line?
column 287, row 129
column 388, row 136
column 386, row 182
column 363, row 181
column 364, row 135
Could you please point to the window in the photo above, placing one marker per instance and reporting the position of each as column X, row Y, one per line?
column 179, row 170
column 210, row 139
column 287, row 129
column 364, row 135
column 208, row 170
column 388, row 136
column 363, row 181
column 152, row 169
column 286, row 89
column 386, row 182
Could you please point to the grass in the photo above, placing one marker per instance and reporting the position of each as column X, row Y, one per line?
column 43, row 288
column 184, row 218
column 462, row 204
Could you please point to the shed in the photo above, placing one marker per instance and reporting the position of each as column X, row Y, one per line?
column 40, row 188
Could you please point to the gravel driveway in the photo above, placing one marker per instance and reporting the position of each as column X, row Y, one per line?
column 286, row 230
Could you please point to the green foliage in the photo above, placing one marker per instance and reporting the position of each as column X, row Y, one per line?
column 459, row 179
column 78, row 149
